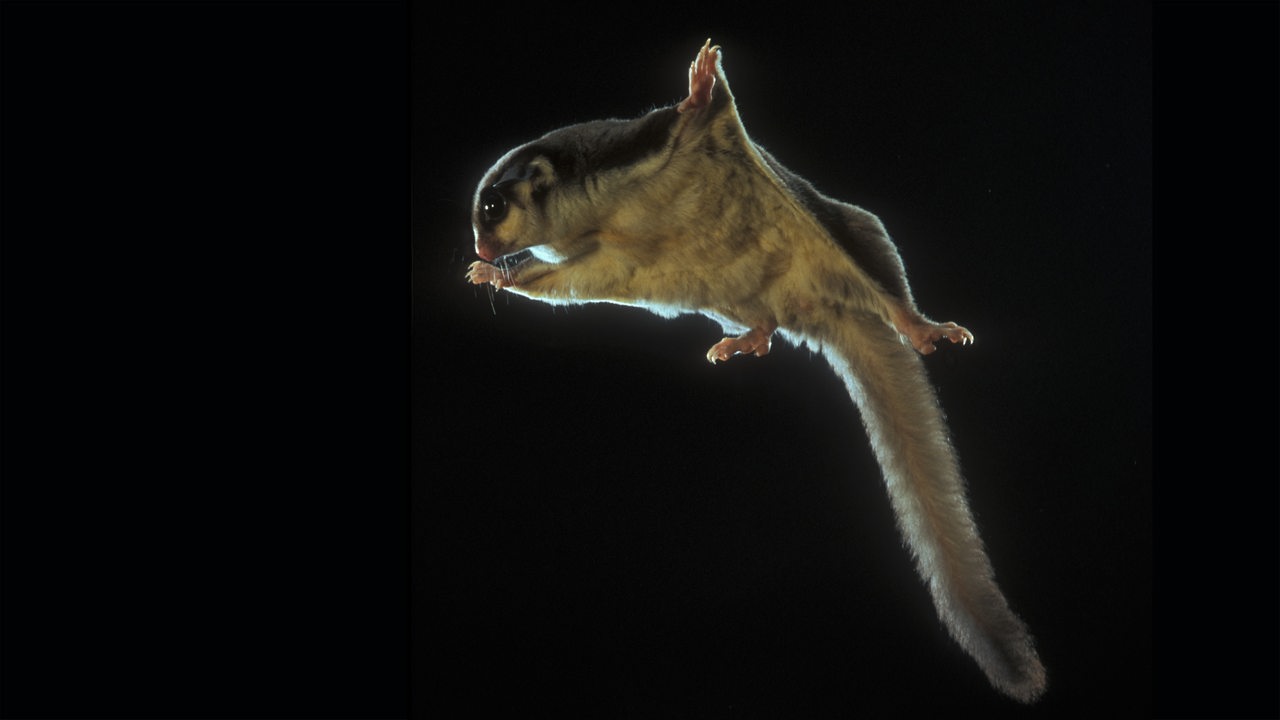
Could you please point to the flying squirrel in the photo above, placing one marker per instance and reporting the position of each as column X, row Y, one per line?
column 678, row 211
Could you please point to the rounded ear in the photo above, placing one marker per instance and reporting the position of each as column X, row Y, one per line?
column 540, row 173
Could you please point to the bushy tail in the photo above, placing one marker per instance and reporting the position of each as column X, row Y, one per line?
column 900, row 410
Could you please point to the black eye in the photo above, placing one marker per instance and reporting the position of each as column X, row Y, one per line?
column 493, row 206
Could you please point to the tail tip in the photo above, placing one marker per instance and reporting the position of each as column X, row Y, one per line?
column 1027, row 687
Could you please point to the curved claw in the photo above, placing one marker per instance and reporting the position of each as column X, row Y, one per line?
column 924, row 336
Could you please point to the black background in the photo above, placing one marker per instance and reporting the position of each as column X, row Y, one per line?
column 235, row 486
column 625, row 530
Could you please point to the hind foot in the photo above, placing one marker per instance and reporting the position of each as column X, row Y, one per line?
column 702, row 77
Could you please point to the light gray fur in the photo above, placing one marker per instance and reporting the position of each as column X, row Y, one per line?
column 908, row 434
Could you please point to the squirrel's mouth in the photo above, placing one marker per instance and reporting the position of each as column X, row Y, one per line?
column 510, row 262
column 511, row 270
column 515, row 267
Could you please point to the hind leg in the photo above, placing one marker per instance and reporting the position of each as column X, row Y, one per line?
column 702, row 77
column 923, row 332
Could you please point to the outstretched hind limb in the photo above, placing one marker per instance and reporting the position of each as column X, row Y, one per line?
column 702, row 77
column 923, row 332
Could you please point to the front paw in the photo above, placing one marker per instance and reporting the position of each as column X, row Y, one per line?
column 481, row 272
column 756, row 342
